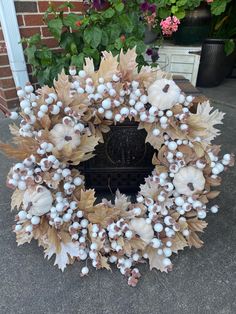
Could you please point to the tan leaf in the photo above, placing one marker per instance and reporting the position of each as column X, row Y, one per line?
column 108, row 66
column 212, row 194
column 45, row 122
column 178, row 242
column 137, row 244
column 121, row 201
column 22, row 236
column 149, row 189
column 194, row 240
column 103, row 215
column 17, row 199
column 196, row 224
column 104, row 263
column 199, row 150
column 62, row 86
column 14, row 129
column 155, row 260
column 128, row 63
column 83, row 152
column 87, row 200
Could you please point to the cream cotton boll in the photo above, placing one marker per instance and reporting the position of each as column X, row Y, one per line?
column 163, row 94
column 38, row 201
column 144, row 230
column 62, row 135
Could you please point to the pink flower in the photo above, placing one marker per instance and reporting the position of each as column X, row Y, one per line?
column 209, row 1
column 169, row 25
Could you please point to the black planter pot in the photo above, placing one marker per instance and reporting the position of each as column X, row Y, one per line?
column 150, row 36
column 215, row 66
column 195, row 27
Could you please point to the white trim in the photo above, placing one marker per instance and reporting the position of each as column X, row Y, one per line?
column 12, row 37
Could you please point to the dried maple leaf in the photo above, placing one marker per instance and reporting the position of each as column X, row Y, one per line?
column 103, row 215
column 213, row 194
column 87, row 200
column 89, row 67
column 85, row 149
column 149, row 189
column 128, row 64
column 17, row 199
column 202, row 122
column 22, row 236
column 137, row 244
column 194, row 240
column 196, row 224
column 108, row 66
column 155, row 260
column 103, row 262
column 178, row 242
column 121, row 201
column 62, row 87
column 67, row 250
column 25, row 146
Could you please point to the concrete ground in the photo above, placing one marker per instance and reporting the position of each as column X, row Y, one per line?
column 203, row 281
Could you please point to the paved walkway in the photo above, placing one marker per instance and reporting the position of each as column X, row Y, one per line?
column 203, row 281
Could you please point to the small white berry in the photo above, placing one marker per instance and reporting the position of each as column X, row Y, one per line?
column 29, row 228
column 172, row 145
column 158, row 227
column 85, row 270
column 35, row 220
column 156, row 132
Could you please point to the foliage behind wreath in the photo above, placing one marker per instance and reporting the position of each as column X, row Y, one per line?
column 60, row 128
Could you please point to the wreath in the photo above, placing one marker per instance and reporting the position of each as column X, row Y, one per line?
column 60, row 127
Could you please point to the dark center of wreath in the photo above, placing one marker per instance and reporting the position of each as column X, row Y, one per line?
column 121, row 162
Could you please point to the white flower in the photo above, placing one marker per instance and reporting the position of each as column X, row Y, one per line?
column 38, row 201
column 64, row 134
column 163, row 94
column 189, row 180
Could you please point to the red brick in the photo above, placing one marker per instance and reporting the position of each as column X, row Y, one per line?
column 2, row 100
column 79, row 6
column 13, row 103
column 4, row 60
column 20, row 20
column 45, row 32
column 10, row 93
column 26, row 6
column 43, row 5
column 50, row 42
column 7, row 83
column 29, row 31
column 5, row 71
column 33, row 19
column 1, row 35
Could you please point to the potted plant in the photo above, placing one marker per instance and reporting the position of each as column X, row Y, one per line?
column 105, row 25
column 218, row 51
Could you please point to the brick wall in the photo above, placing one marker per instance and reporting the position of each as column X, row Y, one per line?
column 30, row 20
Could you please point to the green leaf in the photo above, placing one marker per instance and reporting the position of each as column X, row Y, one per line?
column 229, row 46
column 164, row 12
column 105, row 38
column 45, row 56
column 96, row 37
column 114, row 32
column 71, row 19
column 119, row 7
column 126, row 23
column 180, row 14
column 140, row 47
column 108, row 13
column 55, row 27
column 30, row 53
column 35, row 39
column 88, row 35
column 78, row 61
column 218, row 6
column 118, row 44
